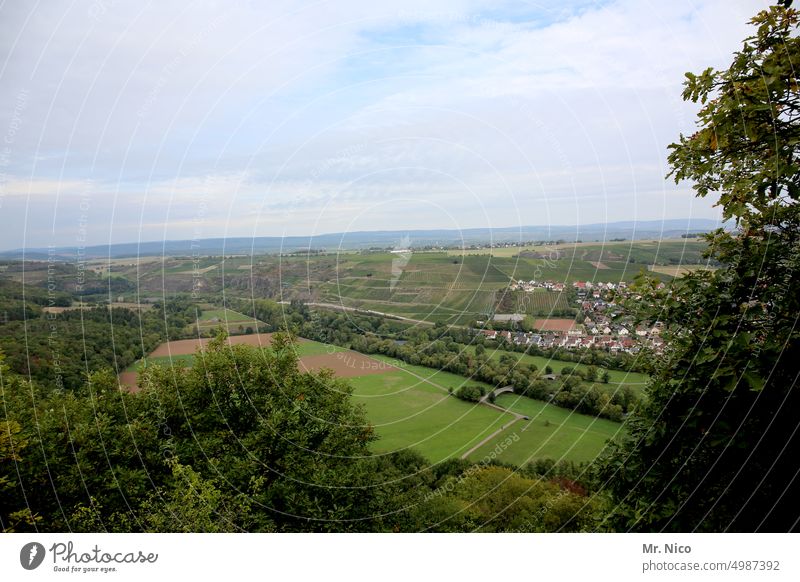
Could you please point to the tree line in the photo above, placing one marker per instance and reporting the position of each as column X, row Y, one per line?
column 60, row 349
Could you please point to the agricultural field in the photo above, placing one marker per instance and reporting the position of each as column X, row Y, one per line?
column 458, row 290
column 450, row 287
column 430, row 286
column 536, row 302
column 409, row 412
column 440, row 378
column 184, row 352
column 410, row 406
column 660, row 252
column 344, row 363
column 666, row 252
column 551, row 432
column 233, row 321
column 563, row 434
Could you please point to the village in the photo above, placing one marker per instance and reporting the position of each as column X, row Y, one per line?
column 602, row 321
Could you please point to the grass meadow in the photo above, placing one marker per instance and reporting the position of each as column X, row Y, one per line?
column 410, row 407
column 551, row 432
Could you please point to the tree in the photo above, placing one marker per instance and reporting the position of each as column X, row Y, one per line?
column 240, row 422
column 470, row 393
column 714, row 445
column 590, row 374
column 192, row 504
column 11, row 448
column 497, row 499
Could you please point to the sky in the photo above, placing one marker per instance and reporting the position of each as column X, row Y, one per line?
column 141, row 121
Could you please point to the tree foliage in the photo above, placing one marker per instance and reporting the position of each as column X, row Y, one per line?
column 241, row 421
column 470, row 393
column 715, row 446
column 242, row 441
column 497, row 499
column 59, row 350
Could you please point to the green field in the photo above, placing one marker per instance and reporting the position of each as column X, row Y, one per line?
column 411, row 408
column 312, row 348
column 411, row 413
column 438, row 377
column 664, row 252
column 569, row 435
column 668, row 252
column 551, row 432
column 187, row 360
column 458, row 289
column 213, row 318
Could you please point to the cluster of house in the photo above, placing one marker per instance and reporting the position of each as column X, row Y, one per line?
column 583, row 288
column 556, row 333
column 532, row 285
column 606, row 319
column 603, row 326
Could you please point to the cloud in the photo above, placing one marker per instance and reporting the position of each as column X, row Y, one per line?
column 286, row 116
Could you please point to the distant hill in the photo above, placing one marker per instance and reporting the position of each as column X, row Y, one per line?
column 629, row 230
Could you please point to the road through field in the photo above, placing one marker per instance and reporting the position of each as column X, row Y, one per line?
column 483, row 401
column 368, row 311
column 495, row 433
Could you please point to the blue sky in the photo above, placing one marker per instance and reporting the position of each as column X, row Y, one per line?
column 144, row 121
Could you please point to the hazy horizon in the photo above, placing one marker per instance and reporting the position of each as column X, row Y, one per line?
column 669, row 226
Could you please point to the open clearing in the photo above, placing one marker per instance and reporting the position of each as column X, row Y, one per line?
column 554, row 324
column 551, row 432
column 232, row 320
column 189, row 346
column 345, row 364
column 409, row 412
column 410, row 407
column 440, row 378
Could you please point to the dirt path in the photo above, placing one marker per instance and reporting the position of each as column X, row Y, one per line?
column 484, row 402
column 494, row 434
column 366, row 311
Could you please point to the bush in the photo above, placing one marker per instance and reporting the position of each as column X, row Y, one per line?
column 591, row 373
column 470, row 393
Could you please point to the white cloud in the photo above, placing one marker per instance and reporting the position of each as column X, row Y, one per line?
column 291, row 116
